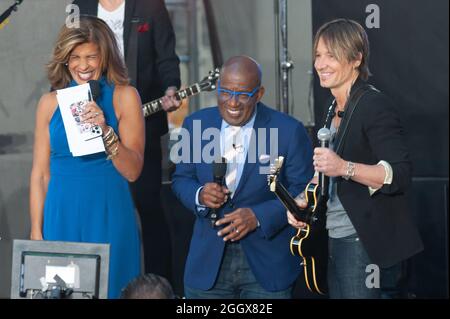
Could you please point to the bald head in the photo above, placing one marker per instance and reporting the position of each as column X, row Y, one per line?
column 243, row 65
column 239, row 89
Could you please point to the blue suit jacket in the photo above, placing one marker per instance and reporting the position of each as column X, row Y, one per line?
column 266, row 248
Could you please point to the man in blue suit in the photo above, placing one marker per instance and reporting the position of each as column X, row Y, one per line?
column 245, row 252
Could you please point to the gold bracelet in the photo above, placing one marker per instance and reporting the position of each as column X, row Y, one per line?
column 110, row 137
column 111, row 145
column 108, row 133
column 111, row 140
column 113, row 151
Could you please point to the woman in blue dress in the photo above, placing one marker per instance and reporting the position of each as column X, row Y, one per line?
column 87, row 198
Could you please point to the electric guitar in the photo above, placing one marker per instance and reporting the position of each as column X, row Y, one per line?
column 207, row 84
column 311, row 242
column 4, row 17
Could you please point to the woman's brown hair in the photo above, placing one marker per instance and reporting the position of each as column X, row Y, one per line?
column 94, row 30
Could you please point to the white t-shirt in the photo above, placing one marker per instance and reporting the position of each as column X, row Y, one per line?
column 115, row 20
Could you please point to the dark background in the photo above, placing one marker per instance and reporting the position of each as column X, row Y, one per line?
column 409, row 63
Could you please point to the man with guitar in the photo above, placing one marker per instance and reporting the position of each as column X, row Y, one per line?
column 368, row 221
column 147, row 41
column 237, row 250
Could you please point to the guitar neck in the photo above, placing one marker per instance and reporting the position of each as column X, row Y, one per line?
column 290, row 204
column 156, row 105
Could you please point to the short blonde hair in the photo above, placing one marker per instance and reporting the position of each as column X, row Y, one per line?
column 94, row 30
column 346, row 39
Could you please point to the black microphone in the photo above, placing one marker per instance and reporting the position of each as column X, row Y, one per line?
column 324, row 136
column 219, row 171
column 95, row 89
column 94, row 93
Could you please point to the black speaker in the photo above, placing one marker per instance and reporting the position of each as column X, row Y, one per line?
column 428, row 270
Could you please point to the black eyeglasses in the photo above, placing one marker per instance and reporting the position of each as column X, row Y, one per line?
column 243, row 97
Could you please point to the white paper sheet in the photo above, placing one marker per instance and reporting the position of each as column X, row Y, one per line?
column 79, row 136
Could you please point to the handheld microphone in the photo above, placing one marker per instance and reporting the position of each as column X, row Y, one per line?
column 94, row 93
column 324, row 137
column 219, row 171
column 95, row 90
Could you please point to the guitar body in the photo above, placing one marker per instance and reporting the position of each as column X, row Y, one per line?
column 311, row 245
column 311, row 242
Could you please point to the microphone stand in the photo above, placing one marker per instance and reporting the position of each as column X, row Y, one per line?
column 8, row 12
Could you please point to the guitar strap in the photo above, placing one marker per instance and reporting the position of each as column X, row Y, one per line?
column 330, row 114
column 349, row 110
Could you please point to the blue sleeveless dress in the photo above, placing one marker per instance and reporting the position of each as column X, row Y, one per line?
column 88, row 200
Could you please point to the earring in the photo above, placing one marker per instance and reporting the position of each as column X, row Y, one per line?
column 66, row 64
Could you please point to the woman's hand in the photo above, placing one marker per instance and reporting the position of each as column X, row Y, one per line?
column 93, row 114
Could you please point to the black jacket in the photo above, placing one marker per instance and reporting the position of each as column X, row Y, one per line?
column 383, row 221
column 158, row 64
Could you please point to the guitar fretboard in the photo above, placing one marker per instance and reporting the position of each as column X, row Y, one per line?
column 156, row 105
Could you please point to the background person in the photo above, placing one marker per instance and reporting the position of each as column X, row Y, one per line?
column 148, row 286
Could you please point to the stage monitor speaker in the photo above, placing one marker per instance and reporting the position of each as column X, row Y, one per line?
column 59, row 270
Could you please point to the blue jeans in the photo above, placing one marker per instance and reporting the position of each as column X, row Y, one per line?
column 347, row 262
column 236, row 280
